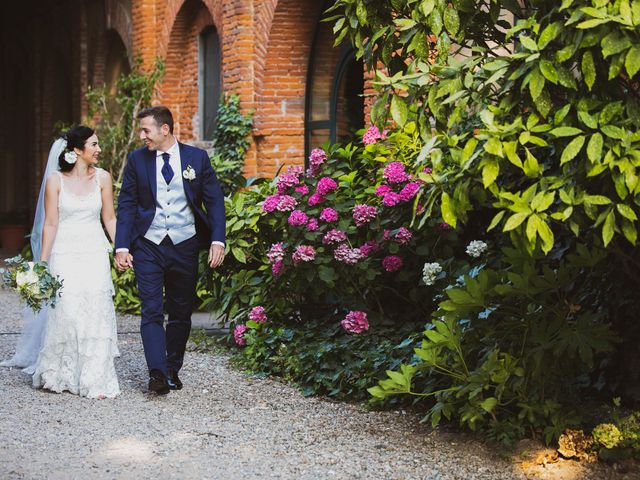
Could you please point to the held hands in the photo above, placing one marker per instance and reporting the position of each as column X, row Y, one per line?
column 124, row 260
column 216, row 255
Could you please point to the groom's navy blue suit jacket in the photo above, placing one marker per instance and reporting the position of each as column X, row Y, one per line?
column 137, row 200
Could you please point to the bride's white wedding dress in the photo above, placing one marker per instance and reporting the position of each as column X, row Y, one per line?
column 80, row 338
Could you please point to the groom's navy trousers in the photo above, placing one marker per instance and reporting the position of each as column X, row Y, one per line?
column 174, row 267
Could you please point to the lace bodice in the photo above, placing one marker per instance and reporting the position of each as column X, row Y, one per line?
column 79, row 227
column 73, row 208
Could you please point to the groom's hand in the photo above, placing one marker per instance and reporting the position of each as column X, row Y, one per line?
column 124, row 260
column 216, row 255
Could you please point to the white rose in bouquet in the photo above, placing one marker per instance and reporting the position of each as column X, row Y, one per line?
column 27, row 278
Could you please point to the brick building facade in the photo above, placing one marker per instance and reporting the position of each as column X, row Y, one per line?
column 276, row 54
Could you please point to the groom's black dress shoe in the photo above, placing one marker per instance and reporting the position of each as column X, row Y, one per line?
column 173, row 381
column 158, row 382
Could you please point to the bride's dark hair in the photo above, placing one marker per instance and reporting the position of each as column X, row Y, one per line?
column 76, row 137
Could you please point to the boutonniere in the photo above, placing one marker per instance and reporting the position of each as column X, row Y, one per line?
column 189, row 173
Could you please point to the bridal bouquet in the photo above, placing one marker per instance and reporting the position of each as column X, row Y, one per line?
column 33, row 282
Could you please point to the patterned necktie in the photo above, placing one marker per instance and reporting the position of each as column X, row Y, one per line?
column 167, row 171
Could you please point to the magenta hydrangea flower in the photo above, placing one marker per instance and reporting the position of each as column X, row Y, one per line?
column 270, row 203
column 286, row 203
column 371, row 136
column 312, row 225
column 296, row 170
column 286, row 181
column 304, row 253
column 316, row 159
column 409, row 191
column 329, row 215
column 325, row 186
column 297, row 218
column 391, row 199
column 369, row 247
column 334, row 236
column 403, row 236
column 427, row 170
column 355, row 322
column 238, row 335
column 394, row 173
column 276, row 268
column 315, row 199
column 386, row 234
column 364, row 214
column 391, row 263
column 444, row 226
column 303, row 189
column 382, row 190
column 257, row 314
column 276, row 253
column 343, row 253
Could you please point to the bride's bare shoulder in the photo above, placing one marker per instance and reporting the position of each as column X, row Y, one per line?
column 54, row 180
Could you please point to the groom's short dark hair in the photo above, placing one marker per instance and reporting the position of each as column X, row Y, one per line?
column 160, row 114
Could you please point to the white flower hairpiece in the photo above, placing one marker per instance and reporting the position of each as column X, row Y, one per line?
column 70, row 157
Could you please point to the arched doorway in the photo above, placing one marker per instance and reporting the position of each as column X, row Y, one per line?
column 334, row 93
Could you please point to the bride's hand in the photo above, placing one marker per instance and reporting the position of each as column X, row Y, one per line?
column 124, row 260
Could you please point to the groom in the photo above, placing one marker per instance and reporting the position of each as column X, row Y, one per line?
column 170, row 206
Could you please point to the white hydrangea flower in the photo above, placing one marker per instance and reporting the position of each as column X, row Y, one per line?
column 430, row 271
column 476, row 248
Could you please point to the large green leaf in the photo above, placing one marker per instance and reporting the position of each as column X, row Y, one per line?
column 571, row 150
column 588, row 69
column 632, row 62
column 399, row 110
column 448, row 212
column 594, row 147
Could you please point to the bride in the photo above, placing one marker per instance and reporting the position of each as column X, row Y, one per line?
column 74, row 344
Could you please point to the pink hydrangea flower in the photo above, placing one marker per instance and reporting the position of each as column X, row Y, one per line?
column 297, row 218
column 394, row 173
column 334, row 236
column 304, row 253
column 329, row 215
column 286, row 203
column 409, row 191
column 364, row 214
column 391, row 199
column 382, row 190
column 343, row 253
column 286, row 181
column 270, row 203
column 427, row 170
column 325, row 186
column 444, row 226
column 391, row 263
column 386, row 234
column 312, row 225
column 403, row 236
column 316, row 159
column 238, row 335
column 276, row 268
column 257, row 314
column 303, row 189
column 276, row 253
column 355, row 322
column 371, row 136
column 315, row 199
column 369, row 247
column 296, row 170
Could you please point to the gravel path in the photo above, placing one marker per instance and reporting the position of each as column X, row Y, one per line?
column 222, row 425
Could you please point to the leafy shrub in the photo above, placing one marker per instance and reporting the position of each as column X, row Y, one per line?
column 528, row 119
column 230, row 142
